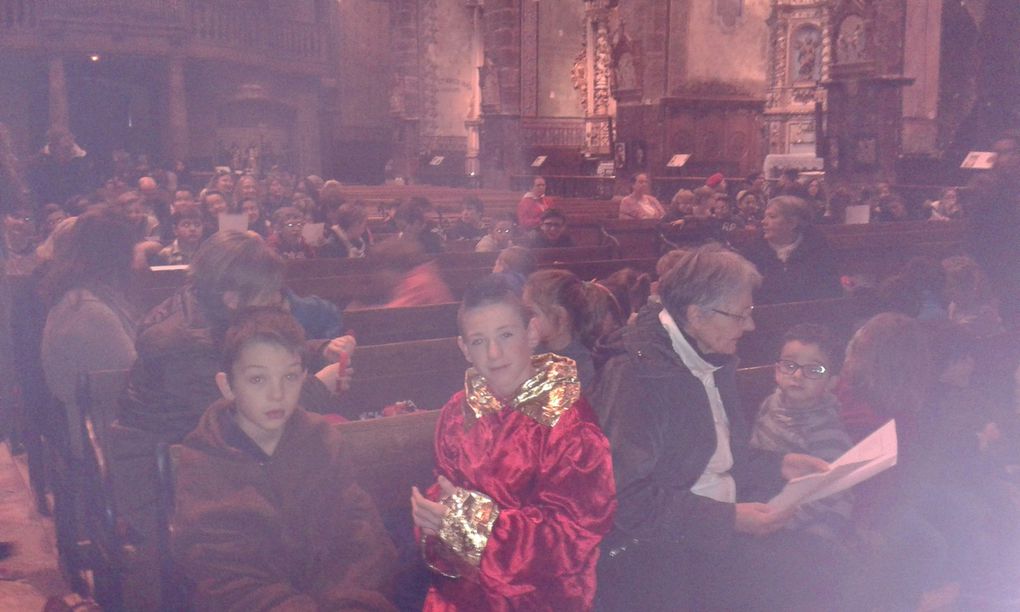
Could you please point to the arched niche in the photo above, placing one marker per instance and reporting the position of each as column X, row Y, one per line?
column 805, row 55
column 255, row 132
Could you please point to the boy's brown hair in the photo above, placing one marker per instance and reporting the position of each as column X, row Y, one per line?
column 265, row 324
column 492, row 289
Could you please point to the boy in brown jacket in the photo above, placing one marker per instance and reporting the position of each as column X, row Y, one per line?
column 268, row 515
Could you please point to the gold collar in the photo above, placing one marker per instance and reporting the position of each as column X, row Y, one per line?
column 544, row 397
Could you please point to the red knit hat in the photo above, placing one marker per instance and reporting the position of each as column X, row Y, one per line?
column 714, row 180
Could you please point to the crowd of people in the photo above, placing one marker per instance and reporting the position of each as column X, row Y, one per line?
column 598, row 455
column 743, row 207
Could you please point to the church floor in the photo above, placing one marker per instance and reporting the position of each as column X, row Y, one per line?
column 31, row 574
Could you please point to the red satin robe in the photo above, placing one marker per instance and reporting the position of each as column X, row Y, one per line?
column 556, row 494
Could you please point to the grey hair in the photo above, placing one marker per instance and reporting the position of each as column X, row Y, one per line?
column 705, row 277
column 794, row 208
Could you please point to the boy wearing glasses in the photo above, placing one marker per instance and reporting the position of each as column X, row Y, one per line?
column 802, row 416
column 499, row 237
column 287, row 238
column 188, row 228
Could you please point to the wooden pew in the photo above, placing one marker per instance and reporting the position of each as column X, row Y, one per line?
column 345, row 288
column 754, row 385
column 426, row 372
column 175, row 276
column 389, row 455
column 761, row 346
column 873, row 249
column 385, row 325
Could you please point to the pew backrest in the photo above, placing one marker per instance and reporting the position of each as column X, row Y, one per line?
column 772, row 321
column 426, row 372
column 385, row 325
column 390, row 455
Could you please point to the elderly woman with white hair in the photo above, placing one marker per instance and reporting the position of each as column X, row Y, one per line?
column 691, row 532
column 792, row 255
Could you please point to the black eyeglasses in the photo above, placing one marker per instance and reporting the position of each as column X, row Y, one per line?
column 738, row 317
column 811, row 372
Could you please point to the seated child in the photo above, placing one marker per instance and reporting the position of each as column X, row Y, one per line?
column 802, row 416
column 469, row 226
column 552, row 231
column 268, row 514
column 287, row 238
column 188, row 228
column 525, row 488
column 565, row 319
column 500, row 236
column 515, row 263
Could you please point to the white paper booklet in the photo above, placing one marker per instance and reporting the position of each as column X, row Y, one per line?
column 872, row 455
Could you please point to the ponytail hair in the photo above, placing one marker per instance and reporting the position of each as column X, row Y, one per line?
column 551, row 288
column 604, row 314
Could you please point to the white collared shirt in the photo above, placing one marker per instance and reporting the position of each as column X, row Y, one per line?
column 784, row 252
column 715, row 482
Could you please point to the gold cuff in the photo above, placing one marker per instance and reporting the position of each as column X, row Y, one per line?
column 467, row 524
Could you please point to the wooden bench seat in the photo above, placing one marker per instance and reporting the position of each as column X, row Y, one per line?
column 390, row 455
column 426, row 372
column 344, row 288
column 772, row 321
column 384, row 325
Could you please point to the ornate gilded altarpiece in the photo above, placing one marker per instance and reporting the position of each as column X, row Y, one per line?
column 799, row 58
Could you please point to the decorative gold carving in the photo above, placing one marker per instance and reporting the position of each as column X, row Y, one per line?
column 799, row 53
column 544, row 397
column 594, row 89
column 802, row 133
column 554, row 132
column 579, row 75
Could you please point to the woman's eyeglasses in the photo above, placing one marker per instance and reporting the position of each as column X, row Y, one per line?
column 811, row 372
column 733, row 315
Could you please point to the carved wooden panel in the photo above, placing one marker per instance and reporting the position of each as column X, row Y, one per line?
column 553, row 132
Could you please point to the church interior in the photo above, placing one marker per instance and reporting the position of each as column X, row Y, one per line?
column 385, row 158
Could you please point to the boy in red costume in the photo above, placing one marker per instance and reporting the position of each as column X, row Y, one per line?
column 525, row 484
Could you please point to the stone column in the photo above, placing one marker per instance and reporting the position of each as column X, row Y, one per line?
column 471, row 164
column 60, row 115
column 177, row 110
column 499, row 138
column 405, row 98
column 308, row 136
column 922, row 42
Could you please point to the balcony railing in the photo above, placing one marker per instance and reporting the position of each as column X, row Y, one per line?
column 221, row 24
